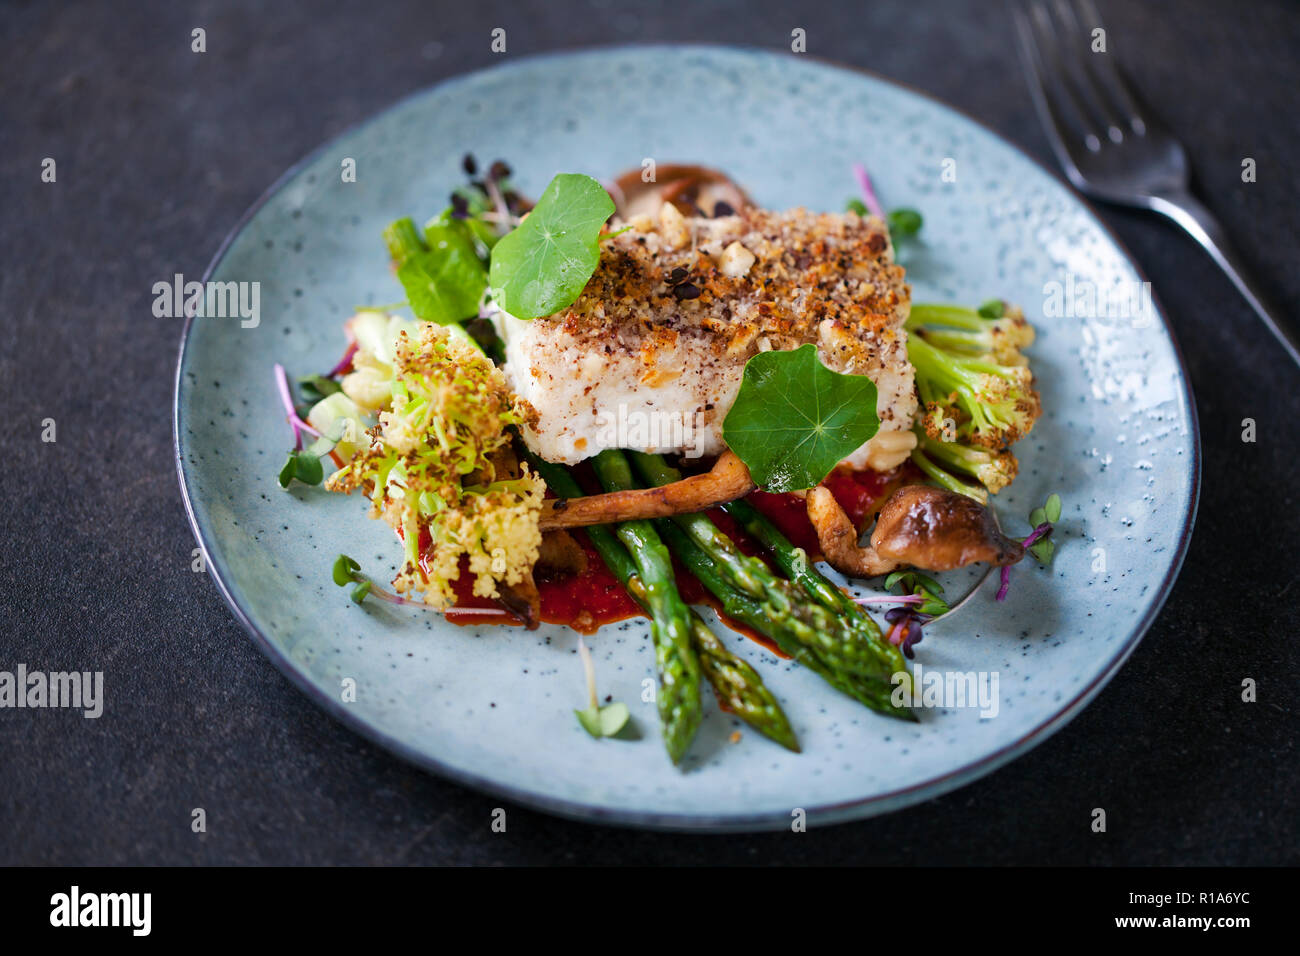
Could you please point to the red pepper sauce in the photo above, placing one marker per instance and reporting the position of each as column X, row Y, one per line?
column 588, row 601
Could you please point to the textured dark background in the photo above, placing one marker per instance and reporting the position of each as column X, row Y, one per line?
column 160, row 150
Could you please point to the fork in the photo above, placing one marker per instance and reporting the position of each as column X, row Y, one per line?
column 1110, row 145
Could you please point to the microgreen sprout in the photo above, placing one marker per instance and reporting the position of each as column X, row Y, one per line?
column 917, row 605
column 302, row 463
column 905, row 628
column 868, row 193
column 1037, row 542
column 345, row 363
column 347, row 571
column 903, row 223
column 313, row 388
column 925, row 589
column 596, row 720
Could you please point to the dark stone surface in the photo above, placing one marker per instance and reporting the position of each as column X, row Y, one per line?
column 160, row 150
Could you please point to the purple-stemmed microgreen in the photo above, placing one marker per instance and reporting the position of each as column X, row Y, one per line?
column 1037, row 542
column 868, row 193
column 918, row 605
column 345, row 363
column 302, row 463
column 903, row 223
column 905, row 628
column 597, row 720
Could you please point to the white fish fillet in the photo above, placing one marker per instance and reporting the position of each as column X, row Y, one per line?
column 651, row 355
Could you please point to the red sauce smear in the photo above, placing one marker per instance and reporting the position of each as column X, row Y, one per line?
column 588, row 601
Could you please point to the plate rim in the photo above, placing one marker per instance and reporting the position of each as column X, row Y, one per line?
column 823, row 814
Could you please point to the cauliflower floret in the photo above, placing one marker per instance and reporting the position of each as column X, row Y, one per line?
column 429, row 472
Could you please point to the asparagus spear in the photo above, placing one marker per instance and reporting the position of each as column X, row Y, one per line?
column 794, row 563
column 741, row 607
column 670, row 619
column 841, row 649
column 737, row 685
column 822, row 629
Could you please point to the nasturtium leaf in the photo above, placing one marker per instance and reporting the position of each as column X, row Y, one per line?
column 603, row 721
column 543, row 265
column 794, row 419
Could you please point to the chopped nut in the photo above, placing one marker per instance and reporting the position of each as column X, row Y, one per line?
column 735, row 260
column 672, row 226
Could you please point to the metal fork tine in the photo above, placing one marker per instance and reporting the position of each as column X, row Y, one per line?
column 1106, row 71
column 1098, row 102
column 1058, row 91
column 1053, row 122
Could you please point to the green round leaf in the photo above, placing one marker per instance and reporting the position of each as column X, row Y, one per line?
column 309, row 470
column 542, row 266
column 794, row 419
column 289, row 470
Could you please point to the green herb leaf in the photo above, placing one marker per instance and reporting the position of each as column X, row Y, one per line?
column 794, row 419
column 604, row 721
column 544, row 264
column 289, row 470
column 1053, row 508
column 360, row 592
column 313, row 388
column 442, row 273
column 903, row 224
column 914, row 582
column 992, row 308
column 1043, row 551
column 858, row 206
column 345, row 570
column 1037, row 516
column 308, row 469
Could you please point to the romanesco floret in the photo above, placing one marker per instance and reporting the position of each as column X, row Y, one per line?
column 429, row 470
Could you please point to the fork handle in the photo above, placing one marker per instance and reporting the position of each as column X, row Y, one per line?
column 1190, row 214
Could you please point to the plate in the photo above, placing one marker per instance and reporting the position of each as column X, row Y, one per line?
column 493, row 707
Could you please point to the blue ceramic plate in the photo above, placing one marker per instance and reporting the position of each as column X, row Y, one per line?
column 493, row 707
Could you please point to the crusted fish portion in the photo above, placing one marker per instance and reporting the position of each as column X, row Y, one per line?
column 650, row 356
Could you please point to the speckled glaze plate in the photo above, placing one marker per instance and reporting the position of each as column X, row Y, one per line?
column 493, row 707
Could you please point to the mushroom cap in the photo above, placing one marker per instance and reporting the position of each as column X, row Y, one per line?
column 939, row 530
column 694, row 190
